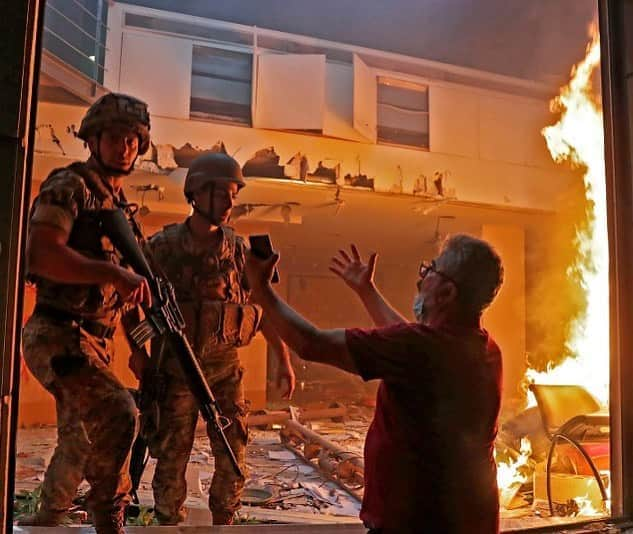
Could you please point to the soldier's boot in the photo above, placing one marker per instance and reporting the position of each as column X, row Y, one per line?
column 164, row 519
column 222, row 517
column 43, row 518
column 109, row 522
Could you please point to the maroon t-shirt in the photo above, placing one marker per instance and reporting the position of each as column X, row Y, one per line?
column 429, row 463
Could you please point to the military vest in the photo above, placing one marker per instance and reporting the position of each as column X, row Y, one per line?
column 91, row 194
column 210, row 287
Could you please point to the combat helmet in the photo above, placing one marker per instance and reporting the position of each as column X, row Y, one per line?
column 117, row 109
column 211, row 168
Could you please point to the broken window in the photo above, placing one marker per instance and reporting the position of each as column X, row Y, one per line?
column 403, row 113
column 221, row 85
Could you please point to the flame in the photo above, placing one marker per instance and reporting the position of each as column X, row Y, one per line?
column 586, row 508
column 578, row 138
column 511, row 475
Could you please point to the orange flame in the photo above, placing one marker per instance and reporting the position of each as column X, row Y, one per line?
column 511, row 475
column 586, row 507
column 578, row 138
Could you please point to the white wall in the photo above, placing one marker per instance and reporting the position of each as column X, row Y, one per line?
column 290, row 91
column 488, row 141
column 339, row 102
column 510, row 130
column 474, row 180
column 453, row 121
column 388, row 224
column 162, row 64
column 489, row 126
column 506, row 319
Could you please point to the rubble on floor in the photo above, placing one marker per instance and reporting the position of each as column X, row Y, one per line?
column 281, row 487
column 284, row 485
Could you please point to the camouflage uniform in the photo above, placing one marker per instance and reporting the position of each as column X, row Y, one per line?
column 211, row 291
column 68, row 346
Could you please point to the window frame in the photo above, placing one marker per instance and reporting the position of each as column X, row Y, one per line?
column 406, row 84
column 247, row 51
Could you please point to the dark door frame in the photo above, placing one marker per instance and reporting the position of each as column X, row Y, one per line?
column 21, row 27
column 616, row 36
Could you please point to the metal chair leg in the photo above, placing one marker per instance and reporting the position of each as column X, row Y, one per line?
column 581, row 450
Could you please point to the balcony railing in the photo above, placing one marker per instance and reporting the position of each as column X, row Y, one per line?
column 75, row 32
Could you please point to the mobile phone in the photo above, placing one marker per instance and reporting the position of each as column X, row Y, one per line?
column 262, row 247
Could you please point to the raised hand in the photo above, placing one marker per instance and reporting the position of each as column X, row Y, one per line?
column 357, row 275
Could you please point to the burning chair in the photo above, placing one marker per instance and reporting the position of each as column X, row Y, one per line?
column 571, row 414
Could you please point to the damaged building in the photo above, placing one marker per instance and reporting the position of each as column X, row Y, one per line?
column 346, row 143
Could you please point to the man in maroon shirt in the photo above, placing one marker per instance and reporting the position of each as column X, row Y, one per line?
column 429, row 464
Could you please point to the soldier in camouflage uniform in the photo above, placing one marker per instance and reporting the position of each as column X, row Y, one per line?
column 81, row 290
column 204, row 260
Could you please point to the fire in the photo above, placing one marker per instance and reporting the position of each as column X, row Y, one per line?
column 578, row 138
column 586, row 508
column 512, row 474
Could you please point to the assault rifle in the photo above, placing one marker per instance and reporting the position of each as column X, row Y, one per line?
column 164, row 320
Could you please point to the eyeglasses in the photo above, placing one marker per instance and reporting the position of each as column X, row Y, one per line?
column 430, row 266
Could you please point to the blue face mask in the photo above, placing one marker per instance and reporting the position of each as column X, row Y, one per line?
column 418, row 307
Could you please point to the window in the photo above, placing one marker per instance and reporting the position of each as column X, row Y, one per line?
column 221, row 85
column 403, row 113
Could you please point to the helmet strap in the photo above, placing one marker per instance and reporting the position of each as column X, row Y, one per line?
column 207, row 215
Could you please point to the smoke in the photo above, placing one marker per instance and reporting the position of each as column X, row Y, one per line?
column 555, row 298
column 511, row 37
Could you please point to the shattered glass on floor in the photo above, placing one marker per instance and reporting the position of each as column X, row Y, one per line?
column 282, row 487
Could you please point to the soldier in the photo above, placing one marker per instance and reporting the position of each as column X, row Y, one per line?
column 81, row 290
column 204, row 259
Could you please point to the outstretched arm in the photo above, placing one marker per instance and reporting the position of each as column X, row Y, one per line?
column 359, row 277
column 308, row 341
column 285, row 372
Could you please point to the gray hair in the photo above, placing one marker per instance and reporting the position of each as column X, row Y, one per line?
column 475, row 267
